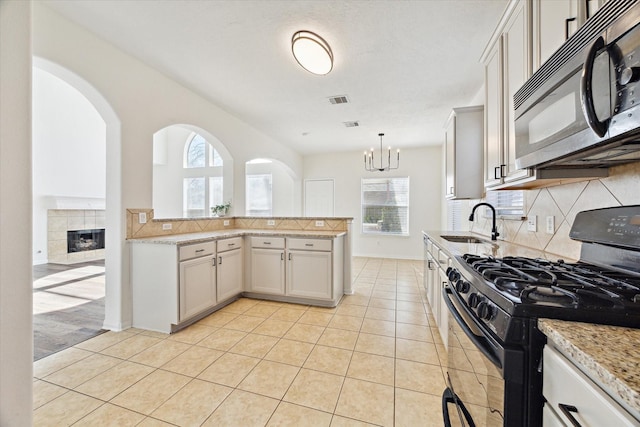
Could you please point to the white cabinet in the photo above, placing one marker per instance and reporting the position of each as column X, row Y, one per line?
column 507, row 62
column 197, row 286
column 229, row 278
column 463, row 149
column 309, row 274
column 267, row 265
column 553, row 22
column 436, row 265
column 574, row 399
column 297, row 269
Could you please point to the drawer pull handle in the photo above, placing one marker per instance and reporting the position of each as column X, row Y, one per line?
column 308, row 244
column 232, row 244
column 199, row 250
column 266, row 243
column 567, row 411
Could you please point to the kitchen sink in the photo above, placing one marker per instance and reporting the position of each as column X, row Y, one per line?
column 465, row 239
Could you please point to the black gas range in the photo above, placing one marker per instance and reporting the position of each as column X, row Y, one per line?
column 495, row 304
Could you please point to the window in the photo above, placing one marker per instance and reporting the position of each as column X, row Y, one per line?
column 385, row 206
column 203, row 183
column 259, row 195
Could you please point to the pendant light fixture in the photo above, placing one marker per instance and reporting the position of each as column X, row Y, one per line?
column 369, row 161
column 312, row 52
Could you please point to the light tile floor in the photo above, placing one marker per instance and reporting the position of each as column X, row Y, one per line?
column 375, row 359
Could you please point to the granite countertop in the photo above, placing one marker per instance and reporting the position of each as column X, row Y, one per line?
column 190, row 238
column 497, row 248
column 609, row 355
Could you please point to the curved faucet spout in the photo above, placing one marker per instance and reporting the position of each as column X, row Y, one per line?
column 494, row 228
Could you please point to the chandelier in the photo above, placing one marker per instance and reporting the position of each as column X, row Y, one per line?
column 369, row 161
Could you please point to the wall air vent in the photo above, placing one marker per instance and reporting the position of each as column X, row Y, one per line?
column 339, row 99
column 351, row 124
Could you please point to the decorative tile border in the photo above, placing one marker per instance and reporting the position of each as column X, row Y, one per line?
column 154, row 227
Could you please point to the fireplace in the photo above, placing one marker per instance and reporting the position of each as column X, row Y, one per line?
column 85, row 240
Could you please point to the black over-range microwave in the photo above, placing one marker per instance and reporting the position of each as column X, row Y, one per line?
column 581, row 109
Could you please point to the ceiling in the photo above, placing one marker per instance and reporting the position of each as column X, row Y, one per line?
column 402, row 64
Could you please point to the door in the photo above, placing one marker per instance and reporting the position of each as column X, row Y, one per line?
column 318, row 197
column 450, row 160
column 229, row 274
column 493, row 118
column 267, row 267
column 197, row 286
column 309, row 274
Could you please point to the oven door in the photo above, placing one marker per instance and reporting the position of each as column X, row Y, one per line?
column 476, row 388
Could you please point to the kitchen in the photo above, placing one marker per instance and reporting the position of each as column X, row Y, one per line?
column 607, row 191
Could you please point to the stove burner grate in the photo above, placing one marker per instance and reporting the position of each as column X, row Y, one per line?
column 539, row 281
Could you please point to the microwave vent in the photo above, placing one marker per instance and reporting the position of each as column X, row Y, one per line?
column 594, row 27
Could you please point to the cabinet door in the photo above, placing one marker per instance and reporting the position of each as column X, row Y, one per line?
column 554, row 17
column 516, row 54
column 309, row 274
column 449, row 153
column 229, row 274
column 267, row 271
column 443, row 324
column 197, row 286
column 493, row 118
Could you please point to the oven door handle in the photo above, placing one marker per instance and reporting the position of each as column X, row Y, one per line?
column 448, row 396
column 486, row 344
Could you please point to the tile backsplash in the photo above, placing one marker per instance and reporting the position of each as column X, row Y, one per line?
column 563, row 202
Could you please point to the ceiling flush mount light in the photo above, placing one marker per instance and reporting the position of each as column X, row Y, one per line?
column 369, row 162
column 312, row 52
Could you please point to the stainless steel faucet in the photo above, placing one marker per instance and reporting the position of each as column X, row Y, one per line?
column 494, row 229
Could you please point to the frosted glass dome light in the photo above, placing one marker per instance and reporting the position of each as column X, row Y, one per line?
column 312, row 52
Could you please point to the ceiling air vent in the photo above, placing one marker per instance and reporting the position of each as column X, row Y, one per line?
column 340, row 99
column 351, row 124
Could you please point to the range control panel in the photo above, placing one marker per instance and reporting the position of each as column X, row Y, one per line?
column 617, row 226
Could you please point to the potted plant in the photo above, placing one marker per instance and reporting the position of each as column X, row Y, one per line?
column 221, row 210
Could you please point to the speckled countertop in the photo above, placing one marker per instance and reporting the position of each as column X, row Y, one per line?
column 190, row 238
column 610, row 355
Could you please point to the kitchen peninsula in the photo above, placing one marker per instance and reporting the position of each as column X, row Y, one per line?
column 184, row 269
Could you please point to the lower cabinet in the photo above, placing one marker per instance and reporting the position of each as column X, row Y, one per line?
column 572, row 398
column 297, row 269
column 197, row 286
column 436, row 263
column 309, row 274
column 267, row 265
column 229, row 278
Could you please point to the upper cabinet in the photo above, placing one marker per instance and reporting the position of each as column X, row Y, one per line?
column 528, row 33
column 463, row 150
column 507, row 62
column 554, row 21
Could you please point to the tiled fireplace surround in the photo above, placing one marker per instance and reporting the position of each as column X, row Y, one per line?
column 59, row 221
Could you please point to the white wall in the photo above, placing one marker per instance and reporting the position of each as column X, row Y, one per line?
column 138, row 101
column 424, row 168
column 69, row 139
column 285, row 196
column 16, row 322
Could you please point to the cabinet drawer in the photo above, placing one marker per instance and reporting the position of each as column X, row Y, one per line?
column 267, row 242
column 229, row 244
column 310, row 244
column 197, row 250
column 565, row 384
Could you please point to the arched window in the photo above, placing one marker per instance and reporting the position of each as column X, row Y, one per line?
column 203, row 182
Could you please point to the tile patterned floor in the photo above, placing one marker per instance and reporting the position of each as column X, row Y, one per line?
column 375, row 359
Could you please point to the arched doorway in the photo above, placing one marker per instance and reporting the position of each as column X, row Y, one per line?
column 117, row 308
